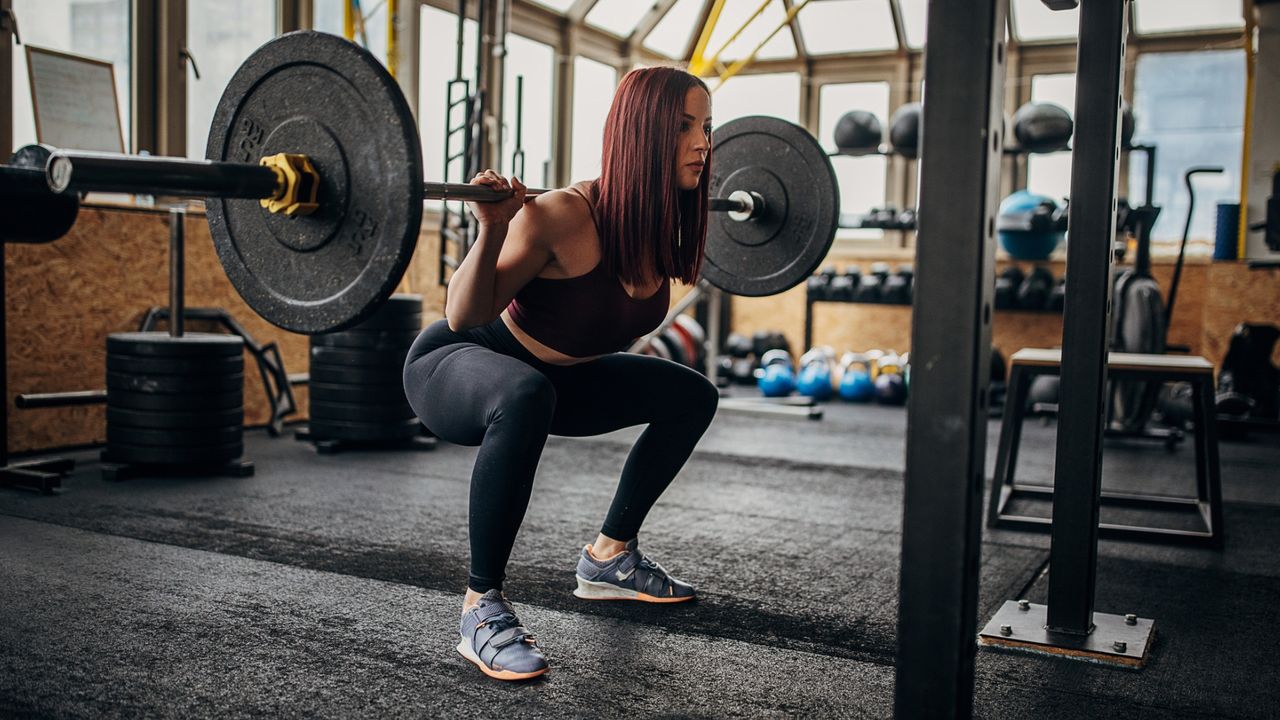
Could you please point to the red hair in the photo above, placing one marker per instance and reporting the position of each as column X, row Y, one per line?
column 644, row 219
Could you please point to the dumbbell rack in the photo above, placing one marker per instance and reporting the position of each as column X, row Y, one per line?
column 789, row 406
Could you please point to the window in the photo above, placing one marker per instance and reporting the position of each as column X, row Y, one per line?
column 329, row 18
column 593, row 83
column 776, row 94
column 1191, row 107
column 735, row 15
column 1033, row 21
column 559, row 6
column 617, row 16
column 437, row 65
column 914, row 21
column 535, row 62
column 861, row 179
column 844, row 26
column 1050, row 173
column 220, row 35
column 671, row 36
column 95, row 28
column 1157, row 16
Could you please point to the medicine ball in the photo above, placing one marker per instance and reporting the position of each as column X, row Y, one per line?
column 858, row 132
column 1025, row 227
column 1042, row 127
column 904, row 130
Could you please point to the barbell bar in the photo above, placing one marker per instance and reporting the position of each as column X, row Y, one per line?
column 78, row 171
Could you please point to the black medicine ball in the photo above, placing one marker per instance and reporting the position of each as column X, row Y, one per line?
column 904, row 130
column 858, row 132
column 1042, row 127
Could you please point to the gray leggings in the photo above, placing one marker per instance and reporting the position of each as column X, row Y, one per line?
column 481, row 387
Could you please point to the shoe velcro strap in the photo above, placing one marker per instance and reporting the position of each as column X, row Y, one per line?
column 507, row 637
column 493, row 609
column 629, row 562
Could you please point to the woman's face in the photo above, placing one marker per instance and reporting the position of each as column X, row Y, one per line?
column 695, row 138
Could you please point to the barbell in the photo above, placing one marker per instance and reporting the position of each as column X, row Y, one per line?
column 314, row 183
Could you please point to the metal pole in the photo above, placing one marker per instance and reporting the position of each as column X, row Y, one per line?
column 950, row 354
column 1091, row 231
column 177, row 281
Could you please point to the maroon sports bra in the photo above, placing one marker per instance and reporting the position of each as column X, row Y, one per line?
column 586, row 315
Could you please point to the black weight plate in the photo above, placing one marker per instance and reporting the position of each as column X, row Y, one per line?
column 189, row 403
column 356, row 375
column 165, row 455
column 778, row 250
column 175, row 419
column 188, row 437
column 364, row 358
column 175, row 384
column 360, row 394
column 158, row 344
column 136, row 365
column 367, row 340
column 354, row 412
column 29, row 211
column 408, row 322
column 322, row 96
column 329, row 430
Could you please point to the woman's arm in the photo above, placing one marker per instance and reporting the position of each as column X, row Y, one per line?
column 510, row 250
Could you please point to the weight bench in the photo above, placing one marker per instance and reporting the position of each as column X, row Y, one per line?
column 1027, row 363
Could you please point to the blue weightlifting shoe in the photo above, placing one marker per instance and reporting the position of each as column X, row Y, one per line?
column 628, row 576
column 494, row 639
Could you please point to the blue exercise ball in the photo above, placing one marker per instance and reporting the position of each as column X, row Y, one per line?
column 1020, row 215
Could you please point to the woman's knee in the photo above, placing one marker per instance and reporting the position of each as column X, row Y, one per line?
column 526, row 398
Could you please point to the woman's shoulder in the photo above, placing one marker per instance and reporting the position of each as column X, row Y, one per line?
column 563, row 210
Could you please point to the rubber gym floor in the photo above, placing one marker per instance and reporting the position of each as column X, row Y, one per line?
column 328, row 586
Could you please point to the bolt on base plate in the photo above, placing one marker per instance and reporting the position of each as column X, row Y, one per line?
column 1119, row 640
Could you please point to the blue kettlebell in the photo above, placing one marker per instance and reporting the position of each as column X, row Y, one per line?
column 815, row 375
column 775, row 378
column 856, row 386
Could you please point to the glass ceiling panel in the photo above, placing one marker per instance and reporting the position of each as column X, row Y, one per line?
column 672, row 34
column 734, row 16
column 559, row 6
column 617, row 16
column 1158, row 16
column 914, row 15
column 844, row 26
column 1033, row 21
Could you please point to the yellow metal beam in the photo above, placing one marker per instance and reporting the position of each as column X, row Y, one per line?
column 697, row 63
column 393, row 35
column 737, row 67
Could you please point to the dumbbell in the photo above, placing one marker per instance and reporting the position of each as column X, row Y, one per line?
column 1007, row 284
column 819, row 285
column 871, row 287
column 776, row 378
column 1058, row 296
column 897, row 287
column 843, row 286
column 1033, row 293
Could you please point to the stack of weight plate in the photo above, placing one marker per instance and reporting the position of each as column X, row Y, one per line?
column 356, row 390
column 175, row 401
